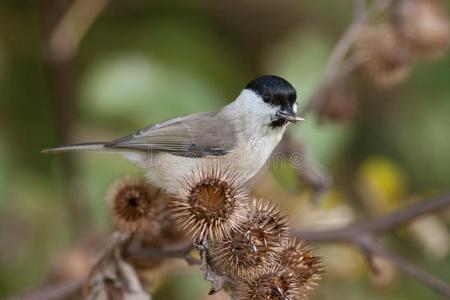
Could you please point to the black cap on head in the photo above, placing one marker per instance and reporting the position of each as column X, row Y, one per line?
column 273, row 90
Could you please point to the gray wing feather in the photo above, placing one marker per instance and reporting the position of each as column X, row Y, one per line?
column 195, row 135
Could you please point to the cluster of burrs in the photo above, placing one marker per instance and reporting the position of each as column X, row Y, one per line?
column 244, row 242
column 383, row 45
column 414, row 30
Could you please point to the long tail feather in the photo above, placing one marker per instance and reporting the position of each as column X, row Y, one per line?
column 79, row 147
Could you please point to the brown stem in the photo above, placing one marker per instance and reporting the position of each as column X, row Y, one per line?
column 60, row 75
column 378, row 226
column 55, row 291
column 412, row 270
column 307, row 170
column 147, row 253
column 73, row 287
column 336, row 60
column 66, row 36
column 363, row 236
column 404, row 216
column 338, row 66
column 66, row 23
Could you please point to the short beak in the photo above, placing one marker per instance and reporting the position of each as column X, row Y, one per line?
column 289, row 115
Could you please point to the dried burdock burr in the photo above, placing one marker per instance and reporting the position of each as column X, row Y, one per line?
column 423, row 25
column 134, row 205
column 253, row 249
column 381, row 56
column 209, row 203
column 304, row 263
column 277, row 284
column 166, row 237
column 340, row 103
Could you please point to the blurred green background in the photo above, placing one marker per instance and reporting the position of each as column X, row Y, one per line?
column 144, row 61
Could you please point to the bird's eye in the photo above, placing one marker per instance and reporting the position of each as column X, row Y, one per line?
column 267, row 98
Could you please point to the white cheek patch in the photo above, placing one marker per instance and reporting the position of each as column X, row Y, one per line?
column 294, row 107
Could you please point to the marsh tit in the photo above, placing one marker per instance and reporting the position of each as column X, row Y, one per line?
column 240, row 136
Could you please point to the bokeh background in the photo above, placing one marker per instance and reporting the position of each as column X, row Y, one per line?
column 139, row 62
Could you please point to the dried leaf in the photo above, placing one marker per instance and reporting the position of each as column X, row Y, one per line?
column 112, row 278
column 217, row 281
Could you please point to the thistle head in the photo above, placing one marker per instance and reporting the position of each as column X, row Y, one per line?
column 340, row 103
column 133, row 205
column 209, row 203
column 381, row 56
column 276, row 284
column 255, row 247
column 424, row 25
column 303, row 262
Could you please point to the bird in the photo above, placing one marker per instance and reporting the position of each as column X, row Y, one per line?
column 239, row 137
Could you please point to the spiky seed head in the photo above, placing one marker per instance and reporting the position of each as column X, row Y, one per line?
column 209, row 203
column 381, row 56
column 304, row 263
column 340, row 103
column 133, row 205
column 165, row 237
column 276, row 284
column 253, row 249
column 424, row 25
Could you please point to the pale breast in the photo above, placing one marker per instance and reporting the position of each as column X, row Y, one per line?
column 168, row 171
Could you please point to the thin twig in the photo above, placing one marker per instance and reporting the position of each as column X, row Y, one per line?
column 146, row 253
column 377, row 7
column 55, row 291
column 61, row 87
column 411, row 269
column 73, row 287
column 336, row 59
column 66, row 24
column 381, row 225
column 338, row 66
column 363, row 235
column 359, row 8
column 306, row 168
column 67, row 35
column 404, row 216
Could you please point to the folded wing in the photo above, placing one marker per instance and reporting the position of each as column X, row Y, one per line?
column 195, row 135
